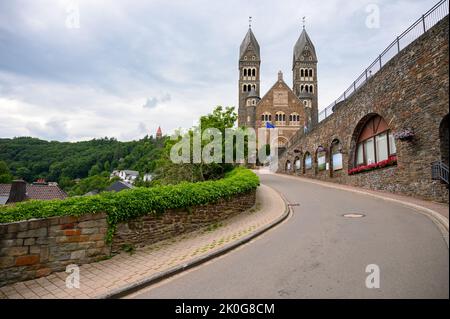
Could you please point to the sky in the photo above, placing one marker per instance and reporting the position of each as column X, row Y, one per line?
column 77, row 70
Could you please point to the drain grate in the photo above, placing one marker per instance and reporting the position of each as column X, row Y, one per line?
column 354, row 215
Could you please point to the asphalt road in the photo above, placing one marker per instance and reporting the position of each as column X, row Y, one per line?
column 318, row 253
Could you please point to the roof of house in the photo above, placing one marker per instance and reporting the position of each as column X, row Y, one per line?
column 37, row 191
column 3, row 199
column 117, row 186
column 130, row 172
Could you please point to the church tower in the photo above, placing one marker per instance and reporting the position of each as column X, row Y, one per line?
column 304, row 68
column 249, row 70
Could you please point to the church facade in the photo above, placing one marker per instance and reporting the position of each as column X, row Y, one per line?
column 293, row 110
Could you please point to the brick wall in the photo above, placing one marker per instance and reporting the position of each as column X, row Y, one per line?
column 36, row 248
column 411, row 90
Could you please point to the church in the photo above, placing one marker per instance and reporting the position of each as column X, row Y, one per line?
column 291, row 110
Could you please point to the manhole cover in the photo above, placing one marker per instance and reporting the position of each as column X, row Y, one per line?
column 353, row 215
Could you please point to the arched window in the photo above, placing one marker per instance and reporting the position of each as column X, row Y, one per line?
column 294, row 118
column 297, row 164
column 444, row 139
column 307, row 159
column 245, row 72
column 336, row 155
column 266, row 117
column 307, row 88
column 254, row 86
column 375, row 142
column 310, row 72
column 302, row 74
column 288, row 166
column 280, row 118
column 311, row 88
column 254, row 72
column 302, row 88
column 321, row 156
column 244, row 88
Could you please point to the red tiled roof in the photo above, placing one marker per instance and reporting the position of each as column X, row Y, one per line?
column 43, row 192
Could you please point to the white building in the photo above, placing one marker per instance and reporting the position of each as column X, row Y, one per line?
column 126, row 175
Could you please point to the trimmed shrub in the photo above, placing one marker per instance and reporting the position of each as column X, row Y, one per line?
column 129, row 204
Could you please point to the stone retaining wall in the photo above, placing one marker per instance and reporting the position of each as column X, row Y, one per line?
column 150, row 229
column 36, row 248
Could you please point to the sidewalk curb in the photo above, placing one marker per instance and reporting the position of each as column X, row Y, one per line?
column 123, row 291
column 440, row 221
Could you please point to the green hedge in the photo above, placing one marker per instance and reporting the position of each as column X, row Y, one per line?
column 132, row 203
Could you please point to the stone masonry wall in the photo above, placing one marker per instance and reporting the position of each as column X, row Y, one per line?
column 410, row 91
column 36, row 248
column 149, row 229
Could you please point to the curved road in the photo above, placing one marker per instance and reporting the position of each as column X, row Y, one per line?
column 317, row 253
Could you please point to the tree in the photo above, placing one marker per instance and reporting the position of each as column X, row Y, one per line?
column 168, row 172
column 24, row 173
column 5, row 174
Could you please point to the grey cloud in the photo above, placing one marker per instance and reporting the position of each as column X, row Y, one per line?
column 154, row 101
column 54, row 129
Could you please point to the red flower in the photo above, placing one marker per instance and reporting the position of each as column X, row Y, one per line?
column 392, row 160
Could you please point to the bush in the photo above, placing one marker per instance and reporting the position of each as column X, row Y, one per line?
column 132, row 203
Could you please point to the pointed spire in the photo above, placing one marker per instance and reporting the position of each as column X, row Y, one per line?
column 301, row 44
column 303, row 21
column 249, row 39
column 159, row 132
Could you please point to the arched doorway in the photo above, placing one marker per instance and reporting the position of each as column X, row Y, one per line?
column 282, row 143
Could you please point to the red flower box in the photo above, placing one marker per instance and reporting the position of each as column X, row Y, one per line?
column 392, row 160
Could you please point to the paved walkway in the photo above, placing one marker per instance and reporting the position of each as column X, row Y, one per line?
column 97, row 280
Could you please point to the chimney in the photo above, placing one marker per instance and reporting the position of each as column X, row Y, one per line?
column 18, row 192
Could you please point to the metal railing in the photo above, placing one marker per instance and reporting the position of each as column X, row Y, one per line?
column 439, row 171
column 438, row 12
column 425, row 22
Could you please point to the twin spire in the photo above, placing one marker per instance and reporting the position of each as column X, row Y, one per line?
column 303, row 44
